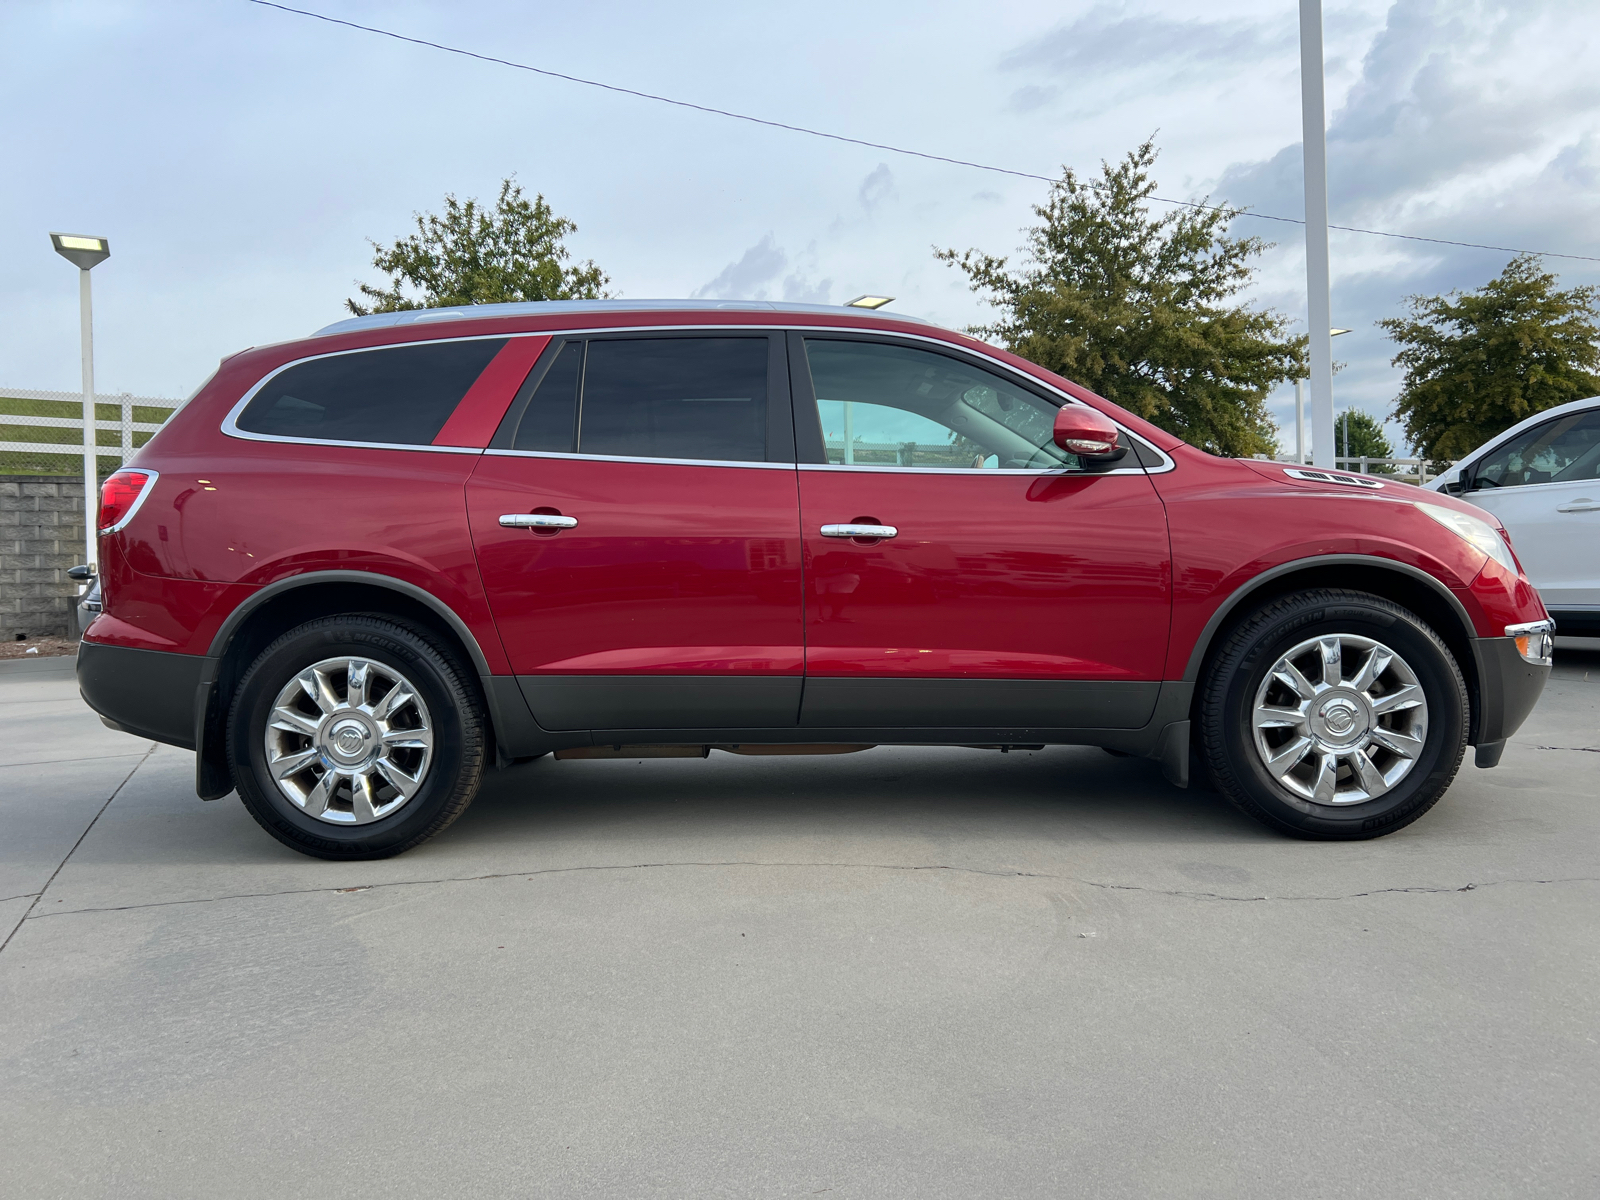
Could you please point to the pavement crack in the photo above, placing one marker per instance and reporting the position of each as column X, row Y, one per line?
column 20, row 896
column 1580, row 749
column 40, row 896
column 47, row 762
column 907, row 867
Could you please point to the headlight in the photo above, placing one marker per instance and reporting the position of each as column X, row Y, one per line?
column 1480, row 534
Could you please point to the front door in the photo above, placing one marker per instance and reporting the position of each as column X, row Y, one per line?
column 1018, row 589
column 1544, row 485
column 636, row 523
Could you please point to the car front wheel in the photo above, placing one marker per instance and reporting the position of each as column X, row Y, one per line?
column 355, row 737
column 1333, row 714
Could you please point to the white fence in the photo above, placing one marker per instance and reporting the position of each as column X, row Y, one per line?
column 16, row 425
column 1424, row 469
column 1417, row 466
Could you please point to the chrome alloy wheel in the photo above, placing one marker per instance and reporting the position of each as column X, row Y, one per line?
column 1340, row 719
column 349, row 740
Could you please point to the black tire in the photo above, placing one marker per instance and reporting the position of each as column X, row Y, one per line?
column 451, row 778
column 1241, row 665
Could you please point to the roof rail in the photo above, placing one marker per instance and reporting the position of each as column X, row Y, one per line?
column 413, row 316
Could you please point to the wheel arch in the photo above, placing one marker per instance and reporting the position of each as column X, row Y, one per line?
column 321, row 593
column 1402, row 583
column 281, row 606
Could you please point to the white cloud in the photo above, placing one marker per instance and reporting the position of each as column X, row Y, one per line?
column 876, row 187
column 1111, row 38
column 745, row 278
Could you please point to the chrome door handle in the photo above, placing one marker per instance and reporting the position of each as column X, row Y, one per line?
column 537, row 521
column 859, row 531
column 1581, row 504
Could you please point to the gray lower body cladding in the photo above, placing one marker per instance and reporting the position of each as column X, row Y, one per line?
column 172, row 698
column 578, row 702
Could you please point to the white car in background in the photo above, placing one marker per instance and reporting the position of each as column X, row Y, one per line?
column 1542, row 479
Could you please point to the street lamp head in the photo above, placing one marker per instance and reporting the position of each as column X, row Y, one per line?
column 1337, row 332
column 868, row 301
column 82, row 252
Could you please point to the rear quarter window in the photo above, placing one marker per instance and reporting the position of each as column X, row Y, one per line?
column 400, row 395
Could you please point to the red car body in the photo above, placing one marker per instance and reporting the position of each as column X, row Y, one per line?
column 699, row 603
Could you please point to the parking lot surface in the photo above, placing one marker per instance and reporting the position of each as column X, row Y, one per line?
column 906, row 972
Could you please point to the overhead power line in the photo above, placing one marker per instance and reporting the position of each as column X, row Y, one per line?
column 901, row 150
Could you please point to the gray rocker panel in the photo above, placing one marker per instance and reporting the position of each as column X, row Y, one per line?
column 583, row 702
column 978, row 703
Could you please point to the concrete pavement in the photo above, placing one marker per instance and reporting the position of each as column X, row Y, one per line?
column 898, row 973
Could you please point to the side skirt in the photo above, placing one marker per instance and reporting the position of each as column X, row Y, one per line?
column 1158, row 737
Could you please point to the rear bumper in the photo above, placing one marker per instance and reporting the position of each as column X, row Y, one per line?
column 148, row 693
column 1508, row 688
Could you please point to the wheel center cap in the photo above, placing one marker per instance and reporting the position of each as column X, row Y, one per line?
column 350, row 740
column 1341, row 720
column 1339, row 716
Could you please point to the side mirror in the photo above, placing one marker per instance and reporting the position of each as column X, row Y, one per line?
column 1089, row 434
column 80, row 573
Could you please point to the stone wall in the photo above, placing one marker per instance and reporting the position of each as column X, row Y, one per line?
column 41, row 535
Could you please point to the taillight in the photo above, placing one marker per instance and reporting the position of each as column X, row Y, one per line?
column 120, row 496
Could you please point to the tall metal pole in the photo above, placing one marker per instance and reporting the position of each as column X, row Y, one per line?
column 1318, row 305
column 1300, row 421
column 91, row 482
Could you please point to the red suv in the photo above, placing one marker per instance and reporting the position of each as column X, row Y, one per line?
column 357, row 571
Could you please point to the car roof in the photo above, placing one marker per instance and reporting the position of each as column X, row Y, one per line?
column 558, row 308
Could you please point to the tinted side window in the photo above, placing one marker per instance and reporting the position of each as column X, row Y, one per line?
column 401, row 394
column 887, row 405
column 550, row 422
column 1560, row 451
column 696, row 398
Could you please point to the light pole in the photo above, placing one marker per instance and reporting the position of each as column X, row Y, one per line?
column 86, row 253
column 1300, row 410
column 1314, row 140
column 1300, row 421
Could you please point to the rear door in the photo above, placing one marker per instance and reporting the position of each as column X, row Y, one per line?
column 636, row 523
column 1544, row 485
column 1017, row 589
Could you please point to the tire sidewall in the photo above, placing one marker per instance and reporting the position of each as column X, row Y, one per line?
column 1436, row 673
column 380, row 641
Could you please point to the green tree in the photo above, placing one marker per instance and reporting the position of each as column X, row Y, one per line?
column 1142, row 309
column 477, row 255
column 1478, row 362
column 1357, row 434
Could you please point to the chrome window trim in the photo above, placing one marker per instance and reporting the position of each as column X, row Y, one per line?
column 138, row 503
column 231, row 429
column 1168, row 463
column 669, row 462
column 297, row 441
column 885, row 469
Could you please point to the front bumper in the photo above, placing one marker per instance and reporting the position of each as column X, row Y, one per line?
column 1508, row 688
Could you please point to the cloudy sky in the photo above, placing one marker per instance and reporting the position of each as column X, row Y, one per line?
column 240, row 158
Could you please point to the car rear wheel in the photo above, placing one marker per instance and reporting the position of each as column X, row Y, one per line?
column 355, row 737
column 1334, row 715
